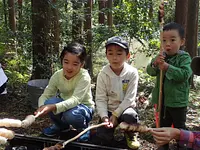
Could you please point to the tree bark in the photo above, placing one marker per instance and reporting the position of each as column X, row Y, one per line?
column 56, row 28
column 110, row 17
column 181, row 12
column 40, row 34
column 192, row 30
column 5, row 13
column 20, row 15
column 12, row 19
column 88, row 30
column 101, row 11
column 192, row 27
column 77, row 23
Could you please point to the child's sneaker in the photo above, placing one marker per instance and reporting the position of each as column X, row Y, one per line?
column 85, row 137
column 132, row 141
column 51, row 131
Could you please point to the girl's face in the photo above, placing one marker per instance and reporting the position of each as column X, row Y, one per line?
column 116, row 56
column 71, row 65
column 172, row 42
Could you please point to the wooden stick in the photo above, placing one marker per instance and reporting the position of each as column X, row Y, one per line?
column 62, row 145
column 159, row 109
column 83, row 132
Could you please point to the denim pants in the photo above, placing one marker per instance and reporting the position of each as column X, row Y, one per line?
column 78, row 116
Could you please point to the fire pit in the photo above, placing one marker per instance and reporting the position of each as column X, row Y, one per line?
column 22, row 142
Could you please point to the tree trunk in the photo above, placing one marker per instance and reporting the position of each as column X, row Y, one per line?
column 192, row 27
column 101, row 11
column 56, row 28
column 12, row 19
column 40, row 44
column 88, row 30
column 181, row 12
column 5, row 13
column 20, row 15
column 77, row 24
column 110, row 17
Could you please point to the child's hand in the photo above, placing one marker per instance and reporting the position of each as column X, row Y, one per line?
column 164, row 66
column 106, row 119
column 160, row 59
column 114, row 121
column 45, row 109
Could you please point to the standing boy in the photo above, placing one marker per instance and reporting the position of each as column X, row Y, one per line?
column 116, row 91
column 175, row 64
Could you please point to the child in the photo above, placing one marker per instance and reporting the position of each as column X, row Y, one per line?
column 175, row 64
column 74, row 106
column 116, row 91
column 187, row 139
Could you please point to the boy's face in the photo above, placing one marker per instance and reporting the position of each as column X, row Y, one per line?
column 71, row 65
column 172, row 42
column 116, row 56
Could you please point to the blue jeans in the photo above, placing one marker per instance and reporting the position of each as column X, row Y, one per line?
column 78, row 116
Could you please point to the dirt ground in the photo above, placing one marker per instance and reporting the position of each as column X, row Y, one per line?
column 17, row 106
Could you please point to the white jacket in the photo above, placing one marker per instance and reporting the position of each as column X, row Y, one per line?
column 116, row 93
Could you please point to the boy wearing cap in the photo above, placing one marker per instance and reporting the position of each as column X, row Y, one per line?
column 116, row 91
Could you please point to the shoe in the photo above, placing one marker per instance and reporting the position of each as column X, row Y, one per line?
column 85, row 137
column 132, row 141
column 51, row 131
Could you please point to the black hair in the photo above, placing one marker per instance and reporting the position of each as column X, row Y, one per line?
column 74, row 48
column 175, row 26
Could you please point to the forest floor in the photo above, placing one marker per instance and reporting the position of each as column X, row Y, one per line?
column 17, row 106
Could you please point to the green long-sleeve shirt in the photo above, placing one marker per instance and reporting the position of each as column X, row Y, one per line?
column 75, row 91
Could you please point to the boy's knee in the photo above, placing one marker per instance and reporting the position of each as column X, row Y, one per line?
column 77, row 121
column 130, row 116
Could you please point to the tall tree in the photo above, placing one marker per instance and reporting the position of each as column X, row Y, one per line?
column 77, row 21
column 192, row 27
column 40, row 34
column 88, row 30
column 110, row 17
column 102, row 4
column 55, row 27
column 181, row 12
column 12, row 15
column 5, row 13
column 20, row 14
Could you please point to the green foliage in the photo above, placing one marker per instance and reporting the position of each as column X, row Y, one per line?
column 131, row 19
column 134, row 19
column 154, row 47
column 17, row 71
column 146, row 82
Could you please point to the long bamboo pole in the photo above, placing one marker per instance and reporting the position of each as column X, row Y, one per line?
column 159, row 109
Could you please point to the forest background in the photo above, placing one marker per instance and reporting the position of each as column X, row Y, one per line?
column 33, row 33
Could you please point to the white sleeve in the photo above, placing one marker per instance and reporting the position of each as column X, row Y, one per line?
column 101, row 99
